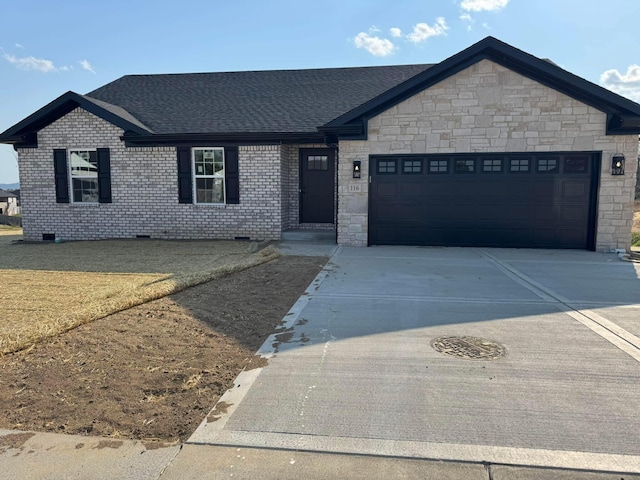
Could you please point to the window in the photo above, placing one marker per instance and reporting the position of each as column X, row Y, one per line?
column 386, row 167
column 412, row 166
column 492, row 165
column 576, row 165
column 82, row 175
column 317, row 162
column 83, row 166
column 438, row 166
column 547, row 165
column 519, row 165
column 465, row 166
column 208, row 169
column 208, row 175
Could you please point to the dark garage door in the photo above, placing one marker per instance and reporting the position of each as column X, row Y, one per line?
column 495, row 200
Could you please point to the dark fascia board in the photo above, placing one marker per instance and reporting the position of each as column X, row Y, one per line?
column 132, row 139
column 510, row 57
column 622, row 124
column 59, row 107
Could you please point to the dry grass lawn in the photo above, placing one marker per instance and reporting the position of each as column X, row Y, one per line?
column 10, row 230
column 50, row 288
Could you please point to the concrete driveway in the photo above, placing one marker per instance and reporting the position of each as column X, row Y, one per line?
column 356, row 371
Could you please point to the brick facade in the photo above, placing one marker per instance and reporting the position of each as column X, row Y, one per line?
column 144, row 191
column 489, row 108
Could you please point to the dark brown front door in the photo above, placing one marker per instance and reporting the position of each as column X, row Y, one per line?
column 317, row 180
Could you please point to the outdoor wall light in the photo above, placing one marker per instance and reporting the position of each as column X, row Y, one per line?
column 357, row 164
column 617, row 164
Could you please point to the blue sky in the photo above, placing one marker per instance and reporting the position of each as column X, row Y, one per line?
column 48, row 48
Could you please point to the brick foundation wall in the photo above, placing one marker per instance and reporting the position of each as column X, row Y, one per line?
column 144, row 191
column 489, row 108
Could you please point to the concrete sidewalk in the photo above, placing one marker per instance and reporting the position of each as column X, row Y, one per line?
column 358, row 391
column 27, row 455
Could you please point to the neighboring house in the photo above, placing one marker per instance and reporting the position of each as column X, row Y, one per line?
column 8, row 203
column 491, row 147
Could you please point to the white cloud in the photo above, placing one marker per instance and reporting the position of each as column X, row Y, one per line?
column 395, row 32
column 19, row 45
column 483, row 5
column 625, row 84
column 380, row 47
column 87, row 66
column 465, row 17
column 30, row 63
column 422, row 31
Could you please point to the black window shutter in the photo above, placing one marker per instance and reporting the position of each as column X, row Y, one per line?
column 61, row 175
column 104, row 175
column 231, row 174
column 185, row 191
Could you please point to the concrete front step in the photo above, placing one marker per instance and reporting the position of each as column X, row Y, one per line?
column 328, row 236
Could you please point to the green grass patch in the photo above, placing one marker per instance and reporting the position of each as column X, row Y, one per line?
column 635, row 239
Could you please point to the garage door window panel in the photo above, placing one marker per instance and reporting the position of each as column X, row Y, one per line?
column 465, row 166
column 412, row 167
column 387, row 167
column 492, row 165
column 438, row 166
column 548, row 165
column 576, row 165
column 519, row 165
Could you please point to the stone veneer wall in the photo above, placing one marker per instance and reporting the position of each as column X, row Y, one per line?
column 489, row 108
column 144, row 191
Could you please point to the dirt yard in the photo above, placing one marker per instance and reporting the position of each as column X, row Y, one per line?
column 636, row 216
column 48, row 288
column 154, row 371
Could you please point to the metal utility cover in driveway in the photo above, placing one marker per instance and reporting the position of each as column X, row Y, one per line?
column 358, row 373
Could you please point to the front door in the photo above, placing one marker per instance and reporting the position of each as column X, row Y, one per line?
column 317, row 180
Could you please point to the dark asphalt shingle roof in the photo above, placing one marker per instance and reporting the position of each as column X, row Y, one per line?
column 117, row 110
column 256, row 101
column 5, row 194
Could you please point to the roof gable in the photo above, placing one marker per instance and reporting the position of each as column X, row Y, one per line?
column 24, row 132
column 624, row 114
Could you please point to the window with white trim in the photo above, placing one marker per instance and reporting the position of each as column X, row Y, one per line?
column 208, row 175
column 83, row 170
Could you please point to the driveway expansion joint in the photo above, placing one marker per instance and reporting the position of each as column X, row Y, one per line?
column 614, row 334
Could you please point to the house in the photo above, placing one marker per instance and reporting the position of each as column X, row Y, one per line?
column 8, row 203
column 490, row 147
